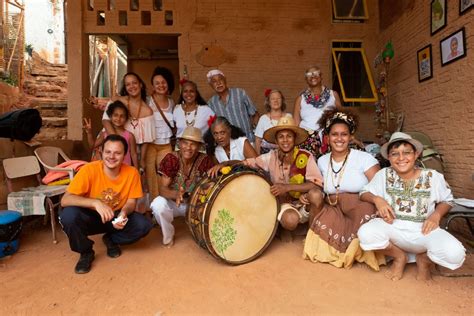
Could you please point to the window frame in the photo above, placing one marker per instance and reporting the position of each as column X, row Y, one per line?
column 367, row 70
column 336, row 17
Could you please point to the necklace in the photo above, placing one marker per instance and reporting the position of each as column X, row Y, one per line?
column 273, row 121
column 339, row 174
column 134, row 120
column 186, row 114
column 317, row 101
column 343, row 164
column 281, row 158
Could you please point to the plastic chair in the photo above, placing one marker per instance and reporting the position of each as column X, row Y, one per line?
column 50, row 157
column 462, row 211
column 21, row 167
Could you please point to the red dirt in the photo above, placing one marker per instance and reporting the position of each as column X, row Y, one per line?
column 151, row 280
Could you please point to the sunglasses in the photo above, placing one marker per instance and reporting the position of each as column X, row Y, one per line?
column 315, row 73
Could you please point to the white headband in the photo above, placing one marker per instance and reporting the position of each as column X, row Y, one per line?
column 213, row 73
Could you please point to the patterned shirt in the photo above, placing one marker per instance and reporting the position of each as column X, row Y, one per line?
column 411, row 200
column 172, row 167
column 237, row 109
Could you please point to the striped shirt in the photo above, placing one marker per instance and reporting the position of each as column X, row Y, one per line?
column 238, row 109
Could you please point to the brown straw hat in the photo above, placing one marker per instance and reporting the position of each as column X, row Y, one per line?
column 286, row 123
column 192, row 133
column 397, row 136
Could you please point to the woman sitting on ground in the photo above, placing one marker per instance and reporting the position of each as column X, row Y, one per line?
column 338, row 213
column 410, row 203
column 275, row 106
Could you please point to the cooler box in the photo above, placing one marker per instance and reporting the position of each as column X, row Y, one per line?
column 10, row 228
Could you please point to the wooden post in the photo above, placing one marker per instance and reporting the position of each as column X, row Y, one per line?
column 1, row 35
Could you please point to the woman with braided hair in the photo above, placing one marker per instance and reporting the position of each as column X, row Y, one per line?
column 337, row 213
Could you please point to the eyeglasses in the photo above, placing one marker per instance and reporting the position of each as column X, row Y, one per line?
column 315, row 73
column 397, row 154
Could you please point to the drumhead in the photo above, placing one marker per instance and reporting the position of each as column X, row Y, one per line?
column 242, row 219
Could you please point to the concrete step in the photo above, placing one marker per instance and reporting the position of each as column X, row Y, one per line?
column 44, row 103
column 54, row 121
column 48, row 133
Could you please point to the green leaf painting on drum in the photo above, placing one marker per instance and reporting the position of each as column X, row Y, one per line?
column 222, row 232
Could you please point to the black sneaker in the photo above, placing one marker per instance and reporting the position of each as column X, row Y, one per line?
column 113, row 250
column 85, row 262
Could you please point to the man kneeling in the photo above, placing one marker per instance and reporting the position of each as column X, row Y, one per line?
column 101, row 191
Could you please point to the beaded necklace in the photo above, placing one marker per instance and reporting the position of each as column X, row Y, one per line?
column 339, row 174
column 186, row 114
column 317, row 101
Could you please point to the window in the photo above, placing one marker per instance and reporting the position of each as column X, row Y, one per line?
column 352, row 77
column 349, row 10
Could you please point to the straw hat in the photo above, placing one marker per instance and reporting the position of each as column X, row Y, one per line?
column 286, row 123
column 192, row 133
column 397, row 136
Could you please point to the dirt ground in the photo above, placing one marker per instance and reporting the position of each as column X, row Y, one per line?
column 151, row 280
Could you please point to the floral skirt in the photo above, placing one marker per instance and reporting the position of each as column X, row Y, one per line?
column 333, row 234
column 313, row 144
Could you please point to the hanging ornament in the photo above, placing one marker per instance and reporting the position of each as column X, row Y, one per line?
column 388, row 52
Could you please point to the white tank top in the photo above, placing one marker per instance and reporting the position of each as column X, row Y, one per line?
column 310, row 114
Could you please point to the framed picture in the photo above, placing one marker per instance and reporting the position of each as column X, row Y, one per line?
column 425, row 63
column 438, row 15
column 453, row 47
column 465, row 5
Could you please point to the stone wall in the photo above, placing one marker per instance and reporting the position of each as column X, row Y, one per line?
column 9, row 95
column 442, row 106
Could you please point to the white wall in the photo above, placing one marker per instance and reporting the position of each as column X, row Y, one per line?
column 44, row 28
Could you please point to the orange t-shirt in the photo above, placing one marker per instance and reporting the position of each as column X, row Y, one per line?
column 92, row 182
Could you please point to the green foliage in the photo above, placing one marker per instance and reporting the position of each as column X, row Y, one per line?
column 29, row 49
column 222, row 232
column 9, row 80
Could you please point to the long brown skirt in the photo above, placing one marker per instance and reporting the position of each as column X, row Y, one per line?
column 333, row 234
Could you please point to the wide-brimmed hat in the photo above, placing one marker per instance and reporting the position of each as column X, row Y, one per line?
column 286, row 123
column 397, row 136
column 192, row 133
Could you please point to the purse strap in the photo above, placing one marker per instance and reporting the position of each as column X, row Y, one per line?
column 162, row 114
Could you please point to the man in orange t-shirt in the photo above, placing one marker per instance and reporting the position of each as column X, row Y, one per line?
column 101, row 191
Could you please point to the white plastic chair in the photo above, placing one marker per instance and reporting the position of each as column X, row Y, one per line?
column 50, row 157
column 21, row 167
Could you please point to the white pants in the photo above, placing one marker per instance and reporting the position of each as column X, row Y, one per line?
column 441, row 247
column 165, row 211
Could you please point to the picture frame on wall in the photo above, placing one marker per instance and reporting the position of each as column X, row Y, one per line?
column 438, row 16
column 453, row 47
column 424, row 58
column 465, row 5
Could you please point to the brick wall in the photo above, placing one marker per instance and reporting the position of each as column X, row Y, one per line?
column 269, row 44
column 263, row 44
column 441, row 107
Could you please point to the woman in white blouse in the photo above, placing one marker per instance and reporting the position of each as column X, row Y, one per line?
column 191, row 110
column 337, row 212
column 275, row 106
column 227, row 143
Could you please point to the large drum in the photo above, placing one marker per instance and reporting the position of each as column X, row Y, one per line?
column 233, row 216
